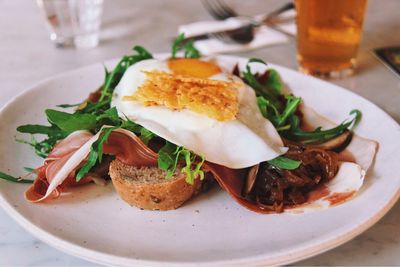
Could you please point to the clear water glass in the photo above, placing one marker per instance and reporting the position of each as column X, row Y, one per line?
column 73, row 22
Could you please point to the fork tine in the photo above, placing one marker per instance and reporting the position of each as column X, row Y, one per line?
column 227, row 10
column 220, row 10
column 210, row 9
column 220, row 7
column 216, row 10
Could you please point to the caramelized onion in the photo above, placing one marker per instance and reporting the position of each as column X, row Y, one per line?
column 275, row 188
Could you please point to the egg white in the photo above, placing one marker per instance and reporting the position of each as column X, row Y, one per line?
column 239, row 143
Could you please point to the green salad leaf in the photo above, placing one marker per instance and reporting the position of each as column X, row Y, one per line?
column 96, row 153
column 44, row 147
column 170, row 155
column 68, row 105
column 187, row 47
column 284, row 163
column 146, row 135
column 167, row 160
column 282, row 110
column 319, row 135
column 71, row 122
column 39, row 129
column 14, row 179
column 92, row 116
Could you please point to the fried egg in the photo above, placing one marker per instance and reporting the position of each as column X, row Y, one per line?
column 195, row 104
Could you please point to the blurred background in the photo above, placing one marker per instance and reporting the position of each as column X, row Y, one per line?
column 154, row 24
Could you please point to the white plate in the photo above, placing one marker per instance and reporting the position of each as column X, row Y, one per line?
column 93, row 222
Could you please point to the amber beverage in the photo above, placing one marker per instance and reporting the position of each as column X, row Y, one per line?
column 328, row 35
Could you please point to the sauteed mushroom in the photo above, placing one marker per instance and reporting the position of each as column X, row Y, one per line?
column 336, row 144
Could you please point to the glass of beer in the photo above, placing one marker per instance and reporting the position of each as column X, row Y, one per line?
column 328, row 35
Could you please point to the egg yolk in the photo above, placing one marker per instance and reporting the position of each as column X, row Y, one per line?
column 193, row 67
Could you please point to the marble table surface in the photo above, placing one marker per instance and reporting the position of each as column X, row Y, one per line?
column 27, row 56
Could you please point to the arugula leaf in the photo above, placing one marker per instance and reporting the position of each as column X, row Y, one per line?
column 44, row 147
column 256, row 60
column 357, row 118
column 188, row 48
column 166, row 159
column 265, row 90
column 270, row 111
column 146, row 135
column 319, row 135
column 169, row 156
column 14, row 179
column 284, row 163
column 39, row 129
column 292, row 104
column 71, row 122
column 176, row 44
column 282, row 113
column 112, row 78
column 68, row 105
column 96, row 153
column 142, row 53
column 110, row 116
column 274, row 81
column 91, row 161
column 91, row 116
column 131, row 126
column 189, row 160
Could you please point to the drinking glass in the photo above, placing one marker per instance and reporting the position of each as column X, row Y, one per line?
column 73, row 22
column 328, row 35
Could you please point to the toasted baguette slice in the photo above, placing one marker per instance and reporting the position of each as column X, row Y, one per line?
column 147, row 187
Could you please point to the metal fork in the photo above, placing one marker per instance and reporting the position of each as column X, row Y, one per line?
column 245, row 34
column 220, row 11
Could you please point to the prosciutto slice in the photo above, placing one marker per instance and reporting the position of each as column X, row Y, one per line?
column 48, row 173
column 69, row 154
column 72, row 143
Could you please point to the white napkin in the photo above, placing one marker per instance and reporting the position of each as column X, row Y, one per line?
column 264, row 35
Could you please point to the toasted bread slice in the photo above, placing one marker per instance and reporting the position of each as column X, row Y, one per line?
column 147, row 187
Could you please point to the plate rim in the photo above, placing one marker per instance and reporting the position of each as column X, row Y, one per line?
column 101, row 257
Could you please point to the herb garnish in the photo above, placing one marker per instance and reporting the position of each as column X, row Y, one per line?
column 92, row 116
column 284, row 163
column 169, row 156
column 281, row 110
column 14, row 179
column 187, row 47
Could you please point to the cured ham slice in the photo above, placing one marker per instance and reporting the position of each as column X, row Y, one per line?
column 71, row 152
column 73, row 142
column 129, row 149
column 55, row 169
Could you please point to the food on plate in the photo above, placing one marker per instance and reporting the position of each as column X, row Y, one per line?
column 147, row 188
column 163, row 129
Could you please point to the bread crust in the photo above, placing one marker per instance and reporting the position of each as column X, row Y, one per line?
column 147, row 187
